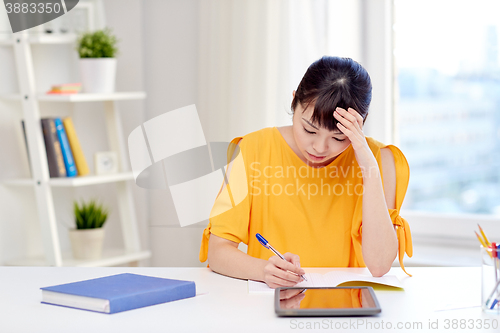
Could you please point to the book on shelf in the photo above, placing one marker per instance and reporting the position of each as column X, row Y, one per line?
column 117, row 293
column 53, row 148
column 56, row 151
column 69, row 161
column 80, row 161
column 67, row 88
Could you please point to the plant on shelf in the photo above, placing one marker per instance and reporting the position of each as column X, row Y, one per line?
column 98, row 51
column 97, row 44
column 87, row 239
column 89, row 215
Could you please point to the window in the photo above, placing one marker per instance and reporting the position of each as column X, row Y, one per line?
column 448, row 72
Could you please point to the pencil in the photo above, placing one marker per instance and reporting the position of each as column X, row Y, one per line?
column 484, row 236
column 483, row 244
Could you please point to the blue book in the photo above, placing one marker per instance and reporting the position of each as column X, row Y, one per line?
column 69, row 161
column 117, row 293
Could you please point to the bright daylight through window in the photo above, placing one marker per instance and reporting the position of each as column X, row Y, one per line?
column 448, row 72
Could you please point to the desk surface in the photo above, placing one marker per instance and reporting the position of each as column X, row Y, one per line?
column 228, row 307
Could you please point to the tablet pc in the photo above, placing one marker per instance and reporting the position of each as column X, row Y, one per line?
column 327, row 301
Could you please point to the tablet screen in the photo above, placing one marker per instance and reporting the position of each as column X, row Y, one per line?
column 357, row 299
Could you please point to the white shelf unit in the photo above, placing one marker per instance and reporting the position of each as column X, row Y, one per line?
column 110, row 257
column 11, row 97
column 81, row 97
column 56, row 38
column 43, row 184
column 76, row 181
column 91, row 97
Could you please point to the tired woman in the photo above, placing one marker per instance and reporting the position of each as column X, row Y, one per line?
column 318, row 189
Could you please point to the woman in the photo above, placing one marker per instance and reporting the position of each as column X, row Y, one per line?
column 318, row 189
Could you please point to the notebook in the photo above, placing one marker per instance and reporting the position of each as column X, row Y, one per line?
column 332, row 279
column 117, row 293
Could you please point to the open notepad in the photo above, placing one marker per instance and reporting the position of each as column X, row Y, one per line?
column 332, row 279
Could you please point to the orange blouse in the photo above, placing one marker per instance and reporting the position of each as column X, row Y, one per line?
column 315, row 213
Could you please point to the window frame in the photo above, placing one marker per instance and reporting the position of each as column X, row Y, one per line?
column 378, row 58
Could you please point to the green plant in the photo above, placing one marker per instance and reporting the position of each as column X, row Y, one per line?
column 97, row 44
column 89, row 215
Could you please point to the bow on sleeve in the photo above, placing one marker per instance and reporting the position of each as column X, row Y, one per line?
column 204, row 244
column 404, row 237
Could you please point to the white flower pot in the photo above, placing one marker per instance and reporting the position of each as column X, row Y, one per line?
column 98, row 75
column 86, row 243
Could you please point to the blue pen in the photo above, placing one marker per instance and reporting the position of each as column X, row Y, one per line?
column 266, row 244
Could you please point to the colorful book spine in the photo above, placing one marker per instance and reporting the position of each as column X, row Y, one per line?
column 53, row 148
column 69, row 161
column 80, row 161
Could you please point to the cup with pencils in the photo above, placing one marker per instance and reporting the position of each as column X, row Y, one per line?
column 490, row 285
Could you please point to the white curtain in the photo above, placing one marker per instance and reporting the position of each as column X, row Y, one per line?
column 243, row 62
column 253, row 54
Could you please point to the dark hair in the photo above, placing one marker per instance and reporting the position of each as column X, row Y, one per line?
column 332, row 82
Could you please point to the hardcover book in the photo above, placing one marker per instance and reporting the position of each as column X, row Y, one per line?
column 53, row 148
column 69, row 162
column 117, row 293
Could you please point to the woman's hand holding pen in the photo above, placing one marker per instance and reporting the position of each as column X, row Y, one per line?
column 283, row 273
column 351, row 124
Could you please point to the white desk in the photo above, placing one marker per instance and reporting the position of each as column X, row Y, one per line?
column 229, row 308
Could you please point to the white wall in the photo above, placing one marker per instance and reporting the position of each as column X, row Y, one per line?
column 170, row 40
column 126, row 19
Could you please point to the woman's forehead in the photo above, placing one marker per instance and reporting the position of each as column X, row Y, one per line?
column 306, row 114
column 321, row 128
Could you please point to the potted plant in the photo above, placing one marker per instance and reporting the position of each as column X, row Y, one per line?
column 97, row 51
column 88, row 237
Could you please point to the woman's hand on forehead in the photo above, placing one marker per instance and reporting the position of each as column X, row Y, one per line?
column 350, row 123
